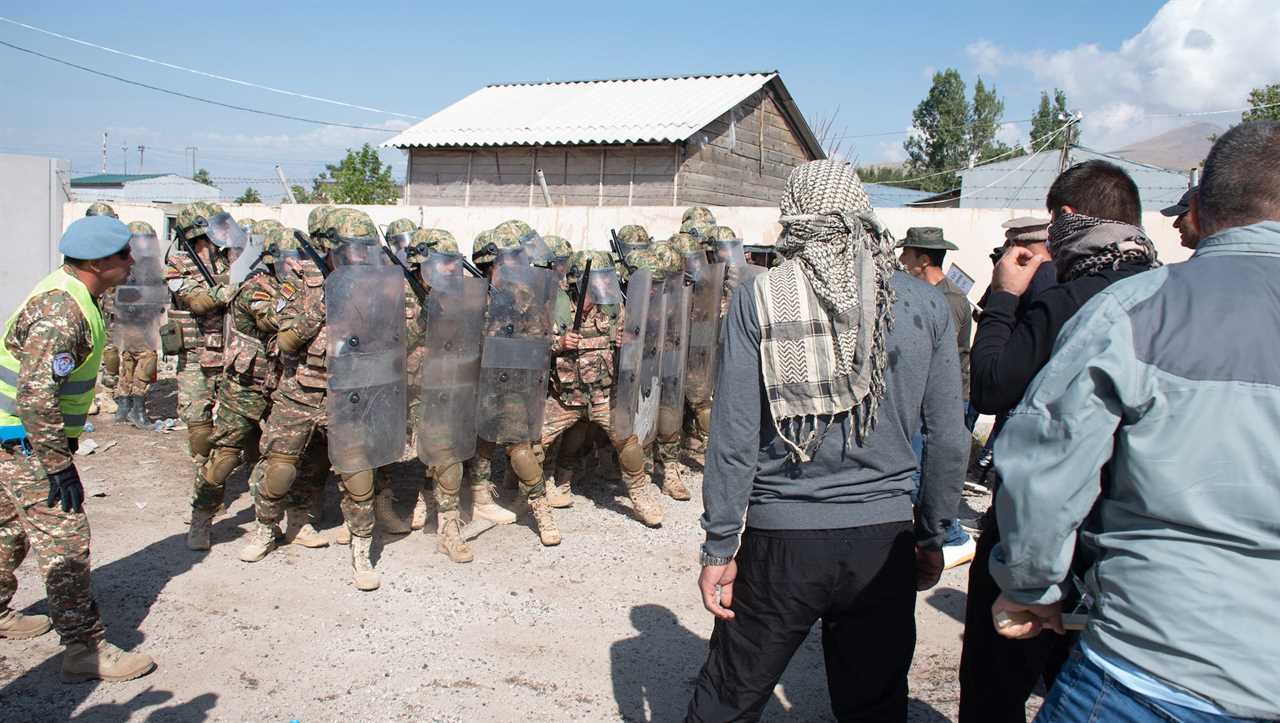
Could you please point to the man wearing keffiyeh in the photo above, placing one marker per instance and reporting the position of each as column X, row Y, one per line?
column 829, row 363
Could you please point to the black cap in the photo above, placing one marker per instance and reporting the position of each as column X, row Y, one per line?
column 1182, row 206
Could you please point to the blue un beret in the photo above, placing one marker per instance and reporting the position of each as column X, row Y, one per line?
column 94, row 237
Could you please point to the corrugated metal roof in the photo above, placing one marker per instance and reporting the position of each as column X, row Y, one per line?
column 116, row 179
column 642, row 110
column 1003, row 185
column 883, row 196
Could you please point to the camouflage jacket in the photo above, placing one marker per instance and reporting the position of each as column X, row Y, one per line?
column 415, row 336
column 201, row 333
column 252, row 322
column 585, row 376
column 303, row 313
column 49, row 326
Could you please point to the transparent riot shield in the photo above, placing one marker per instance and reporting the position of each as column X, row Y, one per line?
column 367, row 399
column 247, row 259
column 704, row 334
column 675, row 334
column 225, row 233
column 626, row 390
column 141, row 302
column 651, row 366
column 516, row 357
column 448, row 380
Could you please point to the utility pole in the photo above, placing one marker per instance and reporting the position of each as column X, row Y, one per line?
column 141, row 165
column 104, row 151
column 193, row 150
column 1071, row 119
column 124, row 153
column 287, row 191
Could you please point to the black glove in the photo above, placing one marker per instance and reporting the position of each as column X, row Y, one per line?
column 65, row 487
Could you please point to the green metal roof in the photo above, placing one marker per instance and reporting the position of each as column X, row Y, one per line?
column 113, row 179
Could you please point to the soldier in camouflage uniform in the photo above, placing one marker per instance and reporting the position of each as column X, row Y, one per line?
column 294, row 433
column 697, row 220
column 197, row 316
column 49, row 356
column 667, row 459
column 128, row 372
column 567, row 451
column 399, row 235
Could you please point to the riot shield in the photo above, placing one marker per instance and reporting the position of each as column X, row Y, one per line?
column 367, row 399
column 626, row 390
column 704, row 334
column 140, row 302
column 676, row 297
column 440, row 268
column 225, row 233
column 247, row 259
column 446, row 423
column 651, row 366
column 516, row 357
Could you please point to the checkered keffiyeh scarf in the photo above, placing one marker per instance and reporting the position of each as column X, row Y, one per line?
column 1083, row 244
column 826, row 310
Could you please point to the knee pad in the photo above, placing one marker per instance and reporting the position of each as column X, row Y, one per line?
column 525, row 462
column 359, row 485
column 631, row 457
column 146, row 369
column 111, row 360
column 222, row 462
column 198, row 436
column 704, row 419
column 449, row 478
column 277, row 479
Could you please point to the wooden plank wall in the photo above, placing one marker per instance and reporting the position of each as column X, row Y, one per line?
column 724, row 164
column 632, row 175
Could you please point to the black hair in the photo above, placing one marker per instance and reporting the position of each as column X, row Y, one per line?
column 1241, row 180
column 1097, row 188
column 935, row 256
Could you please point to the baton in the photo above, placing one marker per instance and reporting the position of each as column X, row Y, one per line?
column 582, row 296
column 415, row 283
column 310, row 251
column 616, row 243
column 204, row 270
column 466, row 264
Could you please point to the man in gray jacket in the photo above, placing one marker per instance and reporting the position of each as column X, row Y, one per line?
column 828, row 365
column 1168, row 383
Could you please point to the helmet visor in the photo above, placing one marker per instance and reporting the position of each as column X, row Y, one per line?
column 224, row 232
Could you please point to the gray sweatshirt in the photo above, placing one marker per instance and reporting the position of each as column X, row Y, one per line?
column 750, row 477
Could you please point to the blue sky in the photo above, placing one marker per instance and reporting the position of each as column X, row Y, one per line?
column 872, row 61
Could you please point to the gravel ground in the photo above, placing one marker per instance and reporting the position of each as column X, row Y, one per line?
column 606, row 626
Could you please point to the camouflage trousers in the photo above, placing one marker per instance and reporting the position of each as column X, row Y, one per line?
column 235, row 438
column 477, row 472
column 197, row 390
column 557, row 419
column 696, row 425
column 137, row 373
column 61, row 542
column 295, row 428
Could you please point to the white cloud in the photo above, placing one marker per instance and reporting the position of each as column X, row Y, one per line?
column 1194, row 55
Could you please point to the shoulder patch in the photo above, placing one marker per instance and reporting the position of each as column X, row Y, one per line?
column 174, row 285
column 63, row 363
column 281, row 304
column 288, row 290
column 261, row 294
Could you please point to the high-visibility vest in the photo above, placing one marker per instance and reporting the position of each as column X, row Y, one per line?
column 75, row 396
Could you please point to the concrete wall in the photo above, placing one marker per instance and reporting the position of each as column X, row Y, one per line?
column 32, row 198
column 975, row 231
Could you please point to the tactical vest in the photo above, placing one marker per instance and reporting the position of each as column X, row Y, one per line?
column 578, row 375
column 313, row 367
column 246, row 355
column 201, row 334
column 75, row 396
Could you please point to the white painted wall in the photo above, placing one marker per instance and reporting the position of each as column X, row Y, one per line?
column 32, row 198
column 976, row 231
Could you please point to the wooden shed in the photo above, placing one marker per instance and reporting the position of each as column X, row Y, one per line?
column 717, row 140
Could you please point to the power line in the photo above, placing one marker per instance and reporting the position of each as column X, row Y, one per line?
column 1045, row 144
column 204, row 73
column 195, row 97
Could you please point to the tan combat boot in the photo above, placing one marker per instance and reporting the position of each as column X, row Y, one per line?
column 298, row 529
column 99, row 660
column 545, row 522
column 647, row 507
column 422, row 509
column 384, row 513
column 364, row 576
column 261, row 541
column 16, row 626
column 198, row 534
column 449, row 538
column 673, row 484
column 484, row 507
column 560, row 490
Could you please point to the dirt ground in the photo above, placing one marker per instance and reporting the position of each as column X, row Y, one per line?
column 606, row 626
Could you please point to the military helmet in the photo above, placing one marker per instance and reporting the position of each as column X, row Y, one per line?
column 634, row 237
column 672, row 261
column 141, row 228
column 515, row 227
column 262, row 227
column 100, row 209
column 722, row 233
column 559, row 246
column 193, row 219
column 246, row 224
column 646, row 260
column 400, row 233
column 348, row 224
column 699, row 215
column 482, row 250
column 506, row 237
column 315, row 219
column 425, row 240
column 277, row 242
column 600, row 260
column 684, row 243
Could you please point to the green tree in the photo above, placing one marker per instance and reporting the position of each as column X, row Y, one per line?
column 985, row 113
column 360, row 178
column 299, row 194
column 250, row 195
column 1264, row 104
column 1046, row 120
column 202, row 176
column 938, row 142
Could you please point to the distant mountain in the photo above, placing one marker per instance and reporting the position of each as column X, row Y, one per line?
column 1180, row 149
